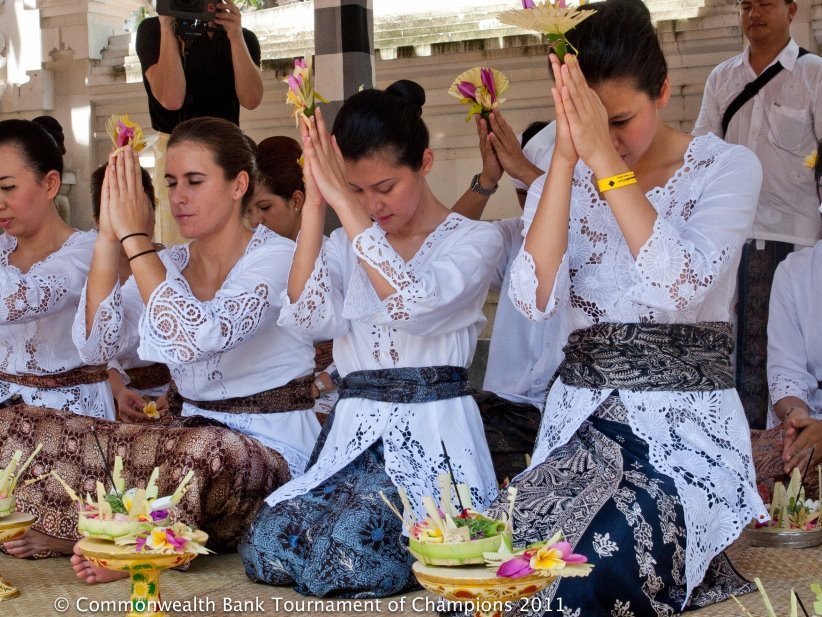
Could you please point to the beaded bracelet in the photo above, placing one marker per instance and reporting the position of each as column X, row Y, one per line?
column 615, row 182
column 141, row 254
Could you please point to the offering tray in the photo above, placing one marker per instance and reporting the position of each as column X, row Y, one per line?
column 773, row 537
column 143, row 567
column 479, row 587
column 12, row 527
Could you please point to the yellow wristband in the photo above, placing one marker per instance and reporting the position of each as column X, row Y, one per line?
column 615, row 182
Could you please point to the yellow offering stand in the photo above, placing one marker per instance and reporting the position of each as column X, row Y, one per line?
column 12, row 527
column 479, row 587
column 143, row 567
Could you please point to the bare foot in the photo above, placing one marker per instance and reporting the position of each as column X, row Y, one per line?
column 90, row 573
column 33, row 542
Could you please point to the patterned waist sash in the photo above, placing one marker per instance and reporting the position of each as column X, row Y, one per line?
column 407, row 385
column 649, row 356
column 148, row 377
column 67, row 379
column 293, row 396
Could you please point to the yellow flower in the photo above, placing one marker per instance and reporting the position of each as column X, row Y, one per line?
column 547, row 558
column 150, row 409
column 480, row 89
column 158, row 540
column 810, row 160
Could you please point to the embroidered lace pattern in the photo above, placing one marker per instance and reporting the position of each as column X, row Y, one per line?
column 28, row 296
column 783, row 384
column 698, row 438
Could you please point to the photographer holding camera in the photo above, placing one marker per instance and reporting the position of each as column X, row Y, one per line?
column 197, row 60
column 198, row 70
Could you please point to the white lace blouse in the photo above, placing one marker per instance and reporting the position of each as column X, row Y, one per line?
column 685, row 273
column 433, row 319
column 36, row 313
column 226, row 347
column 794, row 332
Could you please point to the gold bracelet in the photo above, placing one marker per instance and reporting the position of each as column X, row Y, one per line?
column 615, row 182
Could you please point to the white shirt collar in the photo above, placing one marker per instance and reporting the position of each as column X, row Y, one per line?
column 787, row 57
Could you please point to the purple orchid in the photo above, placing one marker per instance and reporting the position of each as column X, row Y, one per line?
column 487, row 78
column 467, row 89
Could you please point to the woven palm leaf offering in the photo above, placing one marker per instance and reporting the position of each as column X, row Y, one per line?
column 796, row 603
column 124, row 513
column 552, row 19
column 450, row 534
column 9, row 476
column 795, row 521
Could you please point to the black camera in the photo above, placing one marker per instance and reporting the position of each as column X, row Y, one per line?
column 189, row 10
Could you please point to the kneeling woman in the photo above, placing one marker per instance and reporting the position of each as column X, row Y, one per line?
column 210, row 314
column 400, row 289
column 643, row 458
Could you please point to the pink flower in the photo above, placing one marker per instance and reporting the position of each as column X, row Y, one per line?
column 467, row 89
column 527, row 4
column 487, row 78
column 517, row 567
column 141, row 542
column 159, row 515
column 124, row 134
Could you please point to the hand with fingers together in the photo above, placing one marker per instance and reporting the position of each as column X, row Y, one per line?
column 123, row 205
column 325, row 164
column 564, row 150
column 586, row 115
column 508, row 149
column 491, row 165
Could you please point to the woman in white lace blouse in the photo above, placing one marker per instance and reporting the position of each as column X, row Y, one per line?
column 44, row 264
column 643, row 458
column 400, row 289
column 241, row 411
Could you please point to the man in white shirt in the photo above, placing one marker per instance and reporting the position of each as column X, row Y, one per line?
column 523, row 355
column 782, row 123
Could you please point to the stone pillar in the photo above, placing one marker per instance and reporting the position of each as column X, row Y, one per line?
column 344, row 56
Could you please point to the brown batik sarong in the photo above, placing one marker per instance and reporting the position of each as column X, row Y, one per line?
column 148, row 377
column 233, row 473
column 68, row 379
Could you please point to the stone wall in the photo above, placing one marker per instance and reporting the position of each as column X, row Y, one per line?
column 82, row 85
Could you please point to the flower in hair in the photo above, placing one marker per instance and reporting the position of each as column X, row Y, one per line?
column 480, row 88
column 553, row 20
column 301, row 93
column 123, row 132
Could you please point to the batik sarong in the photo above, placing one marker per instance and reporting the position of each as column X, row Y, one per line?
column 601, row 490
column 233, row 473
column 340, row 539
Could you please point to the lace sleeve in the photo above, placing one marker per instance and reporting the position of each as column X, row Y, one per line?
column 104, row 341
column 318, row 310
column 698, row 237
column 430, row 298
column 28, row 297
column 788, row 373
column 523, row 288
column 178, row 328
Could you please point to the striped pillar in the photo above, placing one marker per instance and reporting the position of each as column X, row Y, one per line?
column 344, row 50
column 343, row 57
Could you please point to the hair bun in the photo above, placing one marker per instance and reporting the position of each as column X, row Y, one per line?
column 53, row 128
column 408, row 90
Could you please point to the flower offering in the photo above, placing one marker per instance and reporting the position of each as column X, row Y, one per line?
column 9, row 476
column 301, row 93
column 179, row 538
column 553, row 557
column 123, row 132
column 480, row 89
column 789, row 509
column 553, row 20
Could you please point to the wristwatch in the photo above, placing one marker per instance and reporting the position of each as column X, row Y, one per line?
column 478, row 188
column 320, row 385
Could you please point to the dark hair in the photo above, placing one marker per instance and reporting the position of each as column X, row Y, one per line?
column 38, row 147
column 53, row 128
column 375, row 120
column 531, row 130
column 96, row 182
column 226, row 142
column 278, row 167
column 619, row 41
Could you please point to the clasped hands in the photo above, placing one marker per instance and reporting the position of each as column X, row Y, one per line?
column 124, row 208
